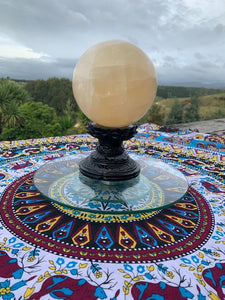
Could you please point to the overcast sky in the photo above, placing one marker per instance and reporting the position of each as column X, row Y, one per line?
column 185, row 39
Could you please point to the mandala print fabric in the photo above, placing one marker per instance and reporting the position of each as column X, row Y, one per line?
column 50, row 251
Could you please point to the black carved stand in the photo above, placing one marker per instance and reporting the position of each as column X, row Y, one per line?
column 110, row 162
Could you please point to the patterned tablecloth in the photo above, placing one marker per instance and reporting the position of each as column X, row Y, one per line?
column 48, row 251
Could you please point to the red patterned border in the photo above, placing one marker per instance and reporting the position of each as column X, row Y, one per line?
column 198, row 237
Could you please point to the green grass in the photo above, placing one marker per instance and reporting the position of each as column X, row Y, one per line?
column 210, row 106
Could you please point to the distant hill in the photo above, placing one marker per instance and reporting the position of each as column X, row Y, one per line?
column 212, row 84
column 183, row 92
column 175, row 90
column 211, row 105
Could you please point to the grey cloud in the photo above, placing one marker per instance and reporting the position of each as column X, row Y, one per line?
column 192, row 74
column 20, row 68
column 180, row 39
column 220, row 28
column 198, row 55
column 40, row 23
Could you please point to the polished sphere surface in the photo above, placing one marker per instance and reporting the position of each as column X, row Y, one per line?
column 114, row 83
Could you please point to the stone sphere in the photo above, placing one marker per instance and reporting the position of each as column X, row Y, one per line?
column 114, row 83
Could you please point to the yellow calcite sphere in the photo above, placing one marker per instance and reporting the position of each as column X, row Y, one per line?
column 114, row 83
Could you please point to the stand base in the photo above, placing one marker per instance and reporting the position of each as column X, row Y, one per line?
column 117, row 168
column 110, row 161
column 158, row 185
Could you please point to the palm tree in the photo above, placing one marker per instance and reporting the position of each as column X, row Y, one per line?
column 10, row 114
column 12, row 95
column 10, row 90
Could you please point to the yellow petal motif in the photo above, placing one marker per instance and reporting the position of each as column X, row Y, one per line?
column 126, row 290
column 140, row 277
column 121, row 270
column 202, row 282
column 29, row 292
column 198, row 276
column 201, row 255
column 151, row 268
column 26, row 248
column 40, row 278
column 47, row 274
column 213, row 296
column 82, row 266
column 135, row 279
column 183, row 265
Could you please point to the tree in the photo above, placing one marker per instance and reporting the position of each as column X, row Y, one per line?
column 10, row 90
column 154, row 115
column 37, row 89
column 38, row 120
column 191, row 113
column 81, row 122
column 11, row 115
column 176, row 113
column 65, row 123
column 12, row 95
column 55, row 92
